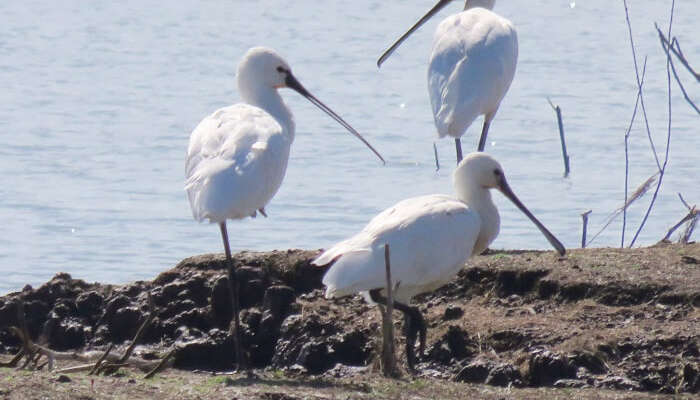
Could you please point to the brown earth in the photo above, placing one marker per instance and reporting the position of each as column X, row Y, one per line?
column 598, row 323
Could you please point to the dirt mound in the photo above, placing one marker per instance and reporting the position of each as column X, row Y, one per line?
column 605, row 318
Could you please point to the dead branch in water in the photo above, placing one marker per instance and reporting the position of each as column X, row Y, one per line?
column 665, row 45
column 584, row 216
column 676, row 50
column 560, row 123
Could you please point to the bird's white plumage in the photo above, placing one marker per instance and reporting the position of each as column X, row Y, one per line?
column 471, row 67
column 430, row 238
column 236, row 161
column 237, row 156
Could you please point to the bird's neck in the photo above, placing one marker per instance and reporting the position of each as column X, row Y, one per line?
column 269, row 100
column 479, row 199
column 487, row 4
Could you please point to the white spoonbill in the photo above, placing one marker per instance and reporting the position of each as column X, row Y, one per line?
column 471, row 67
column 431, row 238
column 237, row 156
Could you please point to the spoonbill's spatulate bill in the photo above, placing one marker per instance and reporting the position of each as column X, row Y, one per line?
column 431, row 237
column 471, row 67
column 237, row 156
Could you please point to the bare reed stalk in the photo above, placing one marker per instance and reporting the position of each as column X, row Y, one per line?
column 676, row 50
column 388, row 352
column 627, row 159
column 668, row 134
column 560, row 123
column 691, row 218
column 665, row 45
column 639, row 86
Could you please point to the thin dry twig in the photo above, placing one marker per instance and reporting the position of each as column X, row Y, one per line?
column 638, row 194
column 690, row 227
column 662, row 171
column 161, row 365
column 692, row 215
column 110, row 368
column 639, row 87
column 665, row 46
column 101, row 359
column 560, row 123
column 14, row 360
column 627, row 159
column 676, row 50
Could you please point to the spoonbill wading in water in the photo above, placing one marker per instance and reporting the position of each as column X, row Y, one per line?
column 471, row 67
column 431, row 238
column 237, row 156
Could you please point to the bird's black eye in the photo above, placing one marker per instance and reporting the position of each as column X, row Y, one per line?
column 497, row 172
column 281, row 69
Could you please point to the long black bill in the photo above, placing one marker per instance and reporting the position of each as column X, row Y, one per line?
column 506, row 190
column 293, row 83
column 437, row 7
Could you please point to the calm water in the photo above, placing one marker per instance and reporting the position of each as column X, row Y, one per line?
column 98, row 101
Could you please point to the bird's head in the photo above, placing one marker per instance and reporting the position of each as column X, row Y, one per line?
column 477, row 173
column 479, row 170
column 264, row 66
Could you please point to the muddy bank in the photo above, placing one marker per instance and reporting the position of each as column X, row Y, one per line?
column 598, row 318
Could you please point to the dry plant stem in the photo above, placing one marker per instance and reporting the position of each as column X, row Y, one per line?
column 161, row 365
column 142, row 329
column 685, row 238
column 638, row 194
column 664, row 45
column 668, row 134
column 112, row 367
column 388, row 353
column 677, row 52
column 99, row 362
column 639, row 86
column 627, row 159
column 111, row 360
column 692, row 214
column 15, row 359
column 584, row 216
column 560, row 123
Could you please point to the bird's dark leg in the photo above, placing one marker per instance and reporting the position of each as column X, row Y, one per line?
column 233, row 290
column 414, row 326
column 484, row 132
column 458, row 146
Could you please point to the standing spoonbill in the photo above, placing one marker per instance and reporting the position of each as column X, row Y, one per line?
column 237, row 156
column 431, row 238
column 471, row 67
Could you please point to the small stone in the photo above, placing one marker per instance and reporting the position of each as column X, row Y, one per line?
column 504, row 375
column 452, row 312
column 571, row 383
column 475, row 372
column 63, row 379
